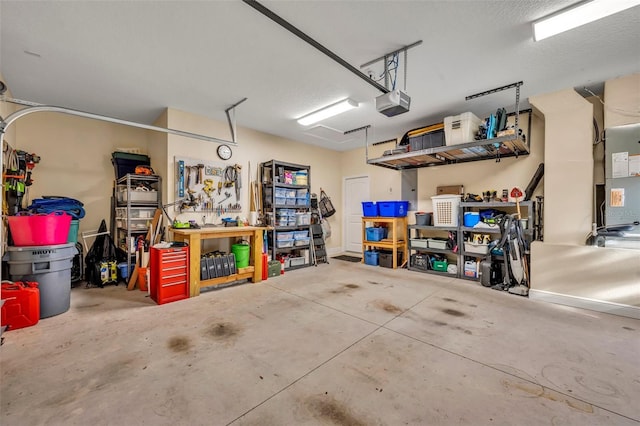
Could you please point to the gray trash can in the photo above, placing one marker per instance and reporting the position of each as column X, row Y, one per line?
column 50, row 267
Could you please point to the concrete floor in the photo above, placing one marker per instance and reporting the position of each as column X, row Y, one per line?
column 344, row 344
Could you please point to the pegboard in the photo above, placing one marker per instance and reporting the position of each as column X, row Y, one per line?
column 207, row 186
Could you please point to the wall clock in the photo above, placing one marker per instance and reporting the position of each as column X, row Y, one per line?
column 224, row 152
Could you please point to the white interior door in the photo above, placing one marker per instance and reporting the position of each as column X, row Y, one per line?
column 356, row 190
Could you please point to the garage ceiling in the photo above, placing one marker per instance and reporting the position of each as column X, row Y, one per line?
column 132, row 59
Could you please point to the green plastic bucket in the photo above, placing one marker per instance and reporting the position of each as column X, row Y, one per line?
column 241, row 251
column 73, row 231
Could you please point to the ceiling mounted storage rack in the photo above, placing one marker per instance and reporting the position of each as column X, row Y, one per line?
column 485, row 149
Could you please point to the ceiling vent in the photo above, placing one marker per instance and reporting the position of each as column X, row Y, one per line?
column 328, row 134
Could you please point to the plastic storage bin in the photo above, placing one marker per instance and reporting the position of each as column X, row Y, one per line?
column 428, row 140
column 303, row 219
column 284, row 243
column 423, row 219
column 136, row 212
column 461, row 128
column 125, row 163
column 73, row 231
column 298, row 235
column 296, row 261
column 369, row 209
column 476, row 248
column 376, row 234
column 385, row 259
column 298, row 242
column 445, row 209
column 284, row 236
column 301, row 177
column 471, row 219
column 281, row 201
column 40, row 229
column 393, row 208
column 439, row 265
column 419, row 243
column 437, row 243
column 371, row 257
column 138, row 196
column 281, row 193
column 419, row 261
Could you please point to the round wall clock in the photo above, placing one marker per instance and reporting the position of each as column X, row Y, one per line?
column 224, row 152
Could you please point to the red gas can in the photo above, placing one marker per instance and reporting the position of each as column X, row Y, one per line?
column 21, row 306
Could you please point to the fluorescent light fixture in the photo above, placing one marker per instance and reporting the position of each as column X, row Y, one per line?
column 576, row 16
column 329, row 111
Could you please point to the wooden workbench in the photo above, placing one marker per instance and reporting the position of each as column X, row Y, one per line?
column 194, row 238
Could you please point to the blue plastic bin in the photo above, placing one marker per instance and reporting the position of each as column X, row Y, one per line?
column 369, row 209
column 371, row 258
column 393, row 208
column 471, row 219
column 376, row 234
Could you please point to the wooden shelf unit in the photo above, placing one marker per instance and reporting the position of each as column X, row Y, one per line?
column 396, row 239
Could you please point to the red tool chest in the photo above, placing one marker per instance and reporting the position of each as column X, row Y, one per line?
column 21, row 306
column 169, row 274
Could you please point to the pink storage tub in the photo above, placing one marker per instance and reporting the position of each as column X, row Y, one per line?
column 40, row 229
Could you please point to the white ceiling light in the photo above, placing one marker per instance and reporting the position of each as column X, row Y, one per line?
column 328, row 111
column 579, row 15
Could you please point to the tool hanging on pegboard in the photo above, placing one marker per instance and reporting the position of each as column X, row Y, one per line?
column 233, row 177
column 206, row 187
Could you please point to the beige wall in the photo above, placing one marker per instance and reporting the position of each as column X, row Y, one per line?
column 568, row 190
column 562, row 267
column 76, row 158
column 253, row 147
column 622, row 100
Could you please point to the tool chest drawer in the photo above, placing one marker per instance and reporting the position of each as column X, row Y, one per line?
column 169, row 274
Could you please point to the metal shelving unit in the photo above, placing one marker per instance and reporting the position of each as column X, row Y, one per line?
column 134, row 210
column 421, row 230
column 495, row 232
column 272, row 175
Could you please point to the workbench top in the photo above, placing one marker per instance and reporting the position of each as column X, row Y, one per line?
column 216, row 230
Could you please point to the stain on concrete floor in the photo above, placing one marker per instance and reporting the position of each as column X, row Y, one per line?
column 179, row 344
column 454, row 312
column 223, row 330
column 328, row 409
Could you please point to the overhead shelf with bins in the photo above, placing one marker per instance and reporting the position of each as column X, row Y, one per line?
column 511, row 144
column 136, row 198
column 286, row 203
